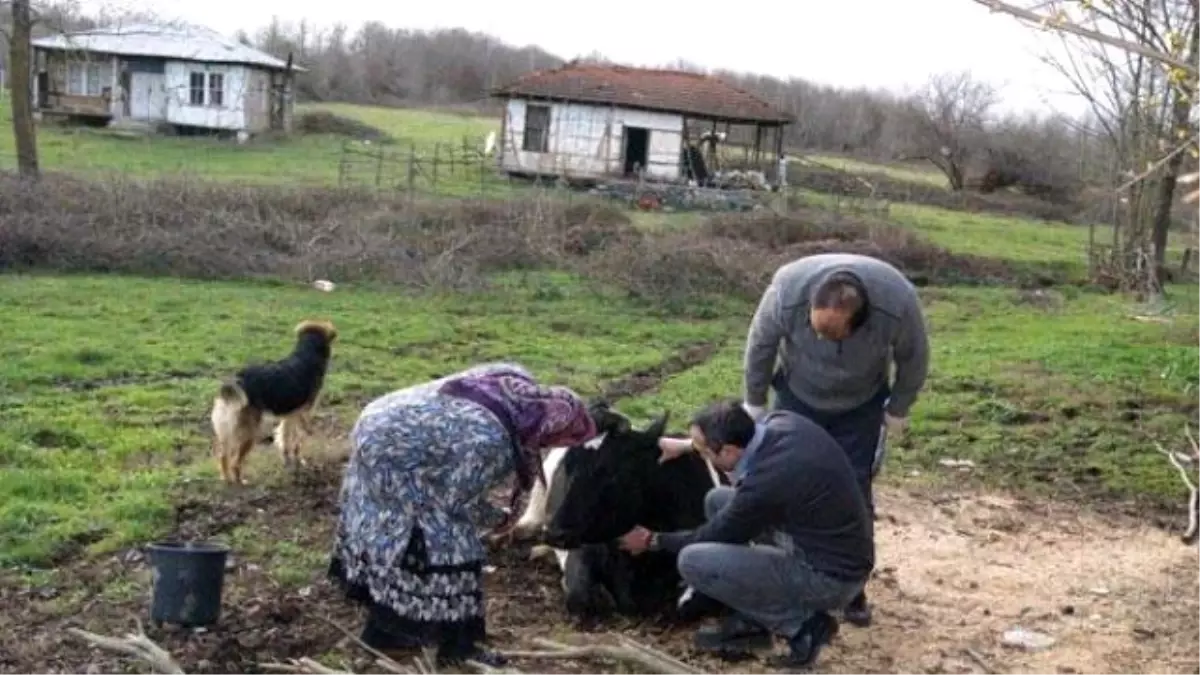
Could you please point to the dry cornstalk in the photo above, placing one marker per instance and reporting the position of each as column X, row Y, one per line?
column 1192, row 533
column 136, row 645
column 629, row 651
column 380, row 658
column 302, row 666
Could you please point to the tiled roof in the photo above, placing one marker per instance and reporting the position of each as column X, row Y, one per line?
column 666, row 90
column 184, row 43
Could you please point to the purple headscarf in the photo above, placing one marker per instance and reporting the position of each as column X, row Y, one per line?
column 534, row 416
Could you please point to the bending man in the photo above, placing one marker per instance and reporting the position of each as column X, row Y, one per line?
column 836, row 323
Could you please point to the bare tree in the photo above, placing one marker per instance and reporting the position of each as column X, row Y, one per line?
column 945, row 122
column 1134, row 62
column 20, row 70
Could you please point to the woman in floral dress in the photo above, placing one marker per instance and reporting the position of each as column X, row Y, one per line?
column 415, row 494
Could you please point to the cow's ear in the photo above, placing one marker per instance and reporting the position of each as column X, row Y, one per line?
column 659, row 426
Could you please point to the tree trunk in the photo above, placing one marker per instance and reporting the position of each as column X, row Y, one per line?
column 21, row 69
column 1181, row 128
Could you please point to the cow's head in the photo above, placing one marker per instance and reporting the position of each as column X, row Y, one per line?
column 597, row 494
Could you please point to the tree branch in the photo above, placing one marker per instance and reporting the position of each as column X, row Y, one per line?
column 136, row 645
column 628, row 651
column 1192, row 534
column 1075, row 29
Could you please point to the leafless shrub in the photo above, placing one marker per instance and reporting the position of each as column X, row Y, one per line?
column 203, row 230
column 325, row 122
column 214, row 231
column 773, row 230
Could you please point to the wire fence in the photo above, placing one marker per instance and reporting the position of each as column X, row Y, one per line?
column 444, row 168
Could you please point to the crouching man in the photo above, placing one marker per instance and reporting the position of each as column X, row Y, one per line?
column 796, row 489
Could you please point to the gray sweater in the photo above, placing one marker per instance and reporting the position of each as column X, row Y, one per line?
column 838, row 376
column 798, row 483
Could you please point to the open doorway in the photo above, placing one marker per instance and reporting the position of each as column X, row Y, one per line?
column 634, row 149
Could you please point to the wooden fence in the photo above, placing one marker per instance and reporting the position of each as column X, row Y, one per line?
column 445, row 168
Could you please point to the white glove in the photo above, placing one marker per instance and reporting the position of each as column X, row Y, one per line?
column 755, row 411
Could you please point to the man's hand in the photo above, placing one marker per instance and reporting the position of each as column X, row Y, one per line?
column 755, row 411
column 895, row 425
column 673, row 448
column 636, row 541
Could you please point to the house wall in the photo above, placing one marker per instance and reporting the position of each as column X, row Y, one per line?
column 585, row 141
column 60, row 99
column 257, row 100
column 246, row 104
column 230, row 115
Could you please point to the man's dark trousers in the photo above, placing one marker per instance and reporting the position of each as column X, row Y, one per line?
column 858, row 431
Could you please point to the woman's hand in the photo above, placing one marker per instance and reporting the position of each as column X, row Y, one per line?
column 673, row 448
column 636, row 541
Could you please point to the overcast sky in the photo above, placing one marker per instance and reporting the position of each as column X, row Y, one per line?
column 889, row 44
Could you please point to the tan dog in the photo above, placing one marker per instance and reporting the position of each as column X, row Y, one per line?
column 288, row 389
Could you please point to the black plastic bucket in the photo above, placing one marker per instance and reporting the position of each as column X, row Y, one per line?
column 188, row 579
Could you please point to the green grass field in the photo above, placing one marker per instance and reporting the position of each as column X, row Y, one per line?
column 317, row 159
column 105, row 382
column 108, row 382
column 906, row 172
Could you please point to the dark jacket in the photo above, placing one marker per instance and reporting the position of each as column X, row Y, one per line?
column 800, row 484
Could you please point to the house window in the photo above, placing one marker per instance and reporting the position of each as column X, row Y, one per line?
column 216, row 89
column 206, row 89
column 537, row 129
column 196, row 89
column 85, row 79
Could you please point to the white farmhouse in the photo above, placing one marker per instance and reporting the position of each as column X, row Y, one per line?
column 189, row 77
column 590, row 121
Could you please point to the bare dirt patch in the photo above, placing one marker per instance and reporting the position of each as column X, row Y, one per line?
column 650, row 379
column 955, row 571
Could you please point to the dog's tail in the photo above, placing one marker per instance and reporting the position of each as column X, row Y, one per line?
column 233, row 394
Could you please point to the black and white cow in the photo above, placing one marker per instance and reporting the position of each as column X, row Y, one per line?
column 601, row 490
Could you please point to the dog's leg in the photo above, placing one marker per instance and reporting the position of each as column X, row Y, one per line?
column 218, row 450
column 306, row 429
column 288, row 427
column 299, row 424
column 247, row 444
column 283, row 434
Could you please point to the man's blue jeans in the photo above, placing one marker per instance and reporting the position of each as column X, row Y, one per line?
column 772, row 585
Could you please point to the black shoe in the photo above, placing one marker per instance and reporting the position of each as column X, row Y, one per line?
column 805, row 646
column 734, row 636
column 694, row 606
column 858, row 612
column 476, row 654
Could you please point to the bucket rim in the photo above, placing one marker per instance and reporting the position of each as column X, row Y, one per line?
column 188, row 547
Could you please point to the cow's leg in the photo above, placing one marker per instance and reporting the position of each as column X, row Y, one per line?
column 622, row 581
column 578, row 583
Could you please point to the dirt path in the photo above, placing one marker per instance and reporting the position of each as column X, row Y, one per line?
column 955, row 572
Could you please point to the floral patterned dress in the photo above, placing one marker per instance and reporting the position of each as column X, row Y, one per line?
column 412, row 501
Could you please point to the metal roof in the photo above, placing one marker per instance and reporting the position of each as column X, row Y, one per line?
column 182, row 42
column 674, row 91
